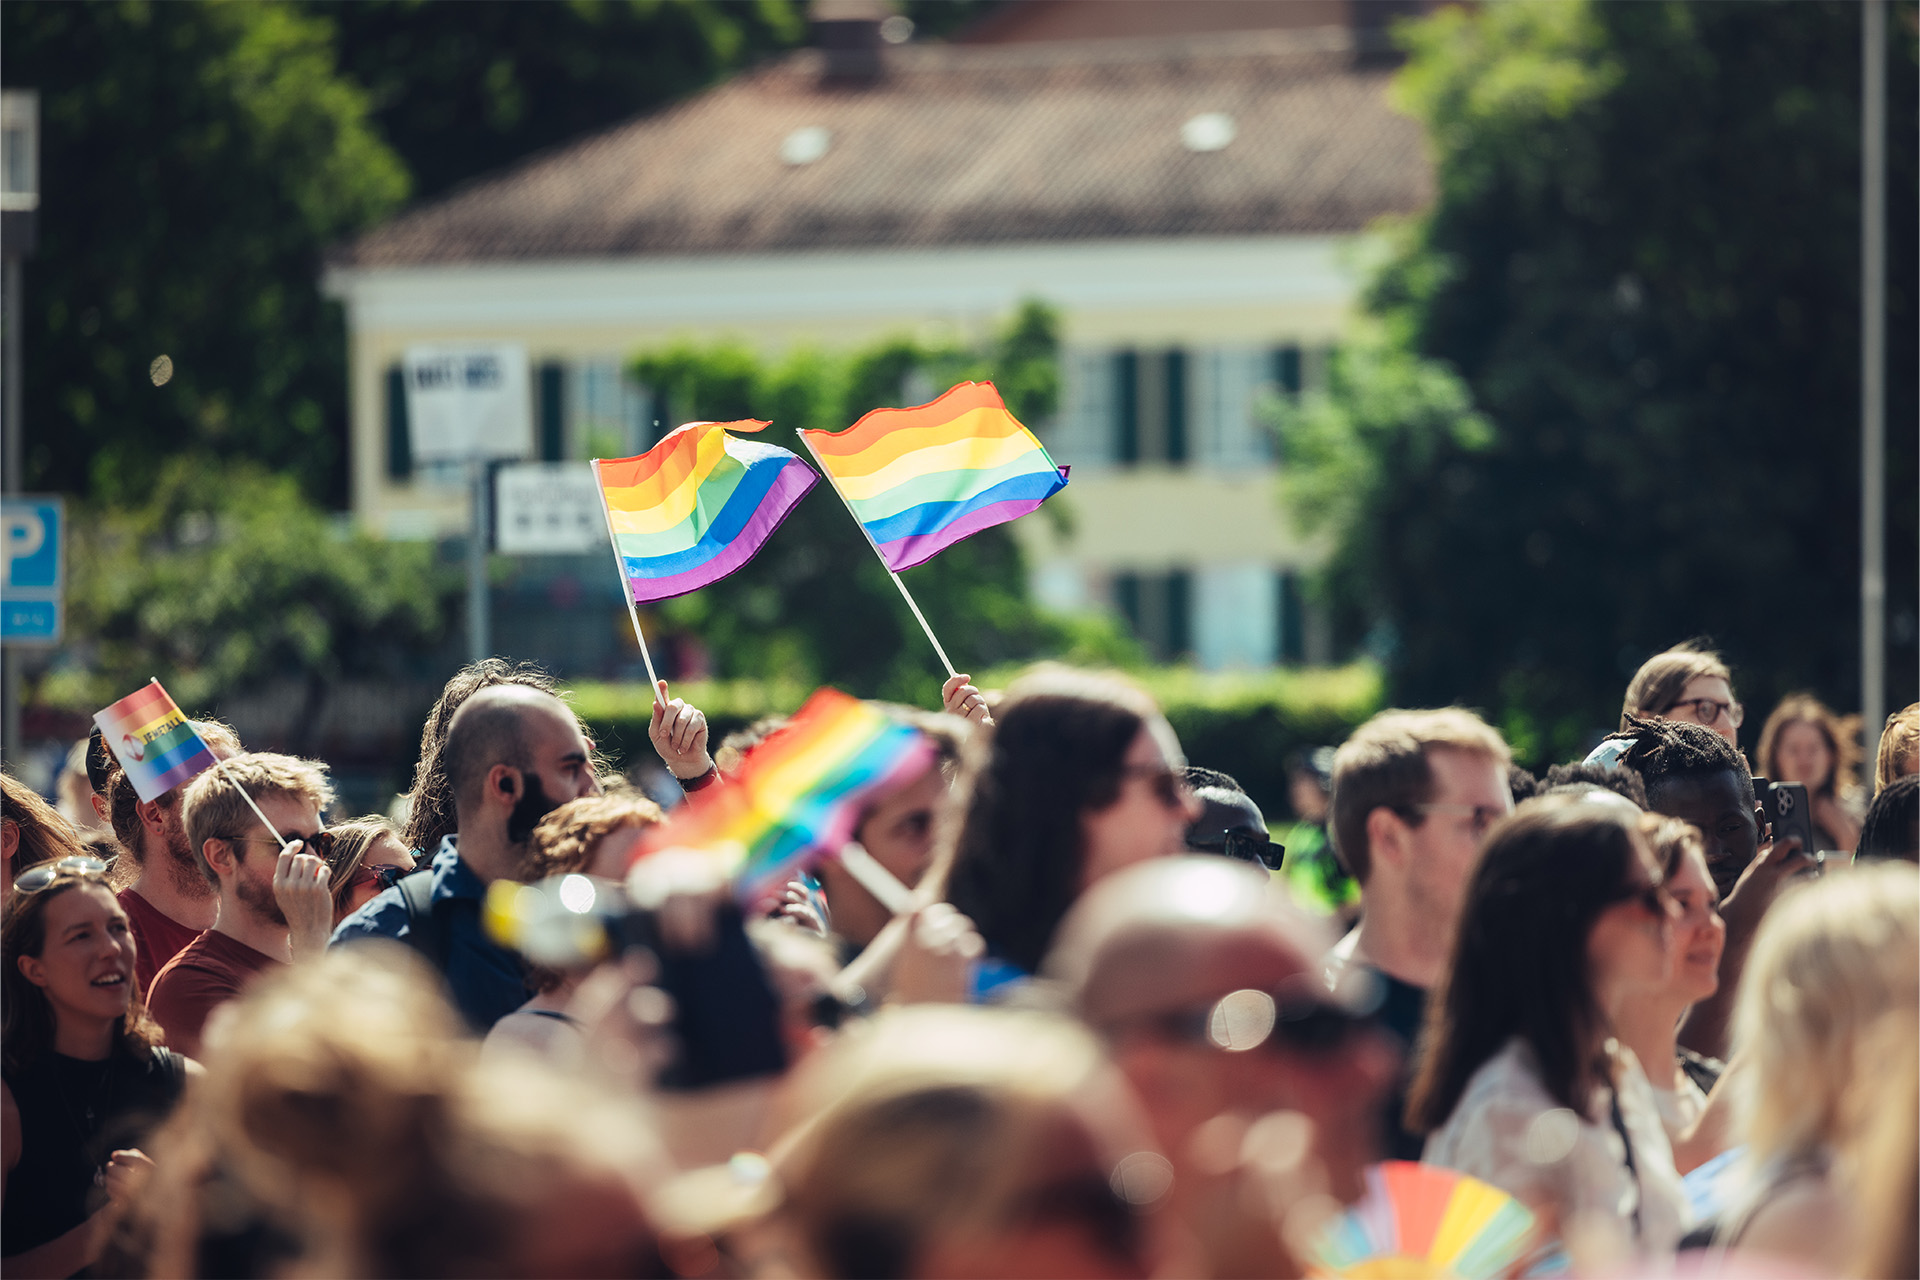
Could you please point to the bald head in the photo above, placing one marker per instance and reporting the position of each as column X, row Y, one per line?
column 1176, row 932
column 501, row 724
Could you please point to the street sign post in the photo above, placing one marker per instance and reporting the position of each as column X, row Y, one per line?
column 33, row 569
column 547, row 508
column 470, row 404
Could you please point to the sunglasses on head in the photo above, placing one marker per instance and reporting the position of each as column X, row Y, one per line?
column 34, row 879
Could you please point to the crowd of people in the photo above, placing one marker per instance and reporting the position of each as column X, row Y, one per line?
column 1062, row 1007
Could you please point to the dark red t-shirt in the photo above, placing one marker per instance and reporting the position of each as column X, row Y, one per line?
column 159, row 937
column 210, row 971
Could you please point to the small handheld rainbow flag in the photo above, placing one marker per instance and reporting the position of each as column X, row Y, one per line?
column 696, row 506
column 799, row 793
column 919, row 480
column 154, row 742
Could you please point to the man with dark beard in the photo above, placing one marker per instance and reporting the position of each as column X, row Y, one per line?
column 168, row 899
column 513, row 754
column 248, row 869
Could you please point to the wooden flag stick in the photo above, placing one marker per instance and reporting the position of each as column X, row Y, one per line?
column 626, row 587
column 906, row 595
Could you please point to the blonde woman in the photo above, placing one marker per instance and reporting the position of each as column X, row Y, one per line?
column 1832, row 959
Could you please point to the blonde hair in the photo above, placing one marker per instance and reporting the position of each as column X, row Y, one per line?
column 1385, row 764
column 213, row 808
column 1899, row 744
column 1830, row 960
column 922, row 1125
column 1661, row 679
column 1842, row 742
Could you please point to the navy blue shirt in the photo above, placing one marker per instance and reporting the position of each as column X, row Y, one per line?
column 484, row 978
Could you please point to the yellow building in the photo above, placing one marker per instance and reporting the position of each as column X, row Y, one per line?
column 1192, row 204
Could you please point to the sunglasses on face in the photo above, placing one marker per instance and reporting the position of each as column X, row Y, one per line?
column 320, row 843
column 385, row 876
column 34, row 879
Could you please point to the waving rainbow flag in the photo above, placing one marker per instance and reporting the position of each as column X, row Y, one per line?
column 156, row 744
column 697, row 506
column 920, row 480
column 799, row 793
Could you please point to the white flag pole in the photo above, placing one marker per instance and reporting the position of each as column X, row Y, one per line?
column 626, row 587
column 904, row 593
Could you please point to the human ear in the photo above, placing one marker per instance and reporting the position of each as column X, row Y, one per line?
column 151, row 817
column 1386, row 834
column 9, row 839
column 503, row 780
column 32, row 970
column 219, row 855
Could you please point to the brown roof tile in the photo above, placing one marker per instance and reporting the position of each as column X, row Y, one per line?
column 957, row 145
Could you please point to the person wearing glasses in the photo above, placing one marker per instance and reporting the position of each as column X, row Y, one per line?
column 368, row 858
column 1522, row 1083
column 1079, row 776
column 276, row 905
column 1414, row 794
column 1202, row 977
column 1686, row 683
column 85, row 1078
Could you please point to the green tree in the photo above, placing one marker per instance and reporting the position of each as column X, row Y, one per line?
column 195, row 158
column 815, row 604
column 226, row 578
column 1612, row 397
column 460, row 89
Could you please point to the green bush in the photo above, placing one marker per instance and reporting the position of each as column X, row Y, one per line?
column 1243, row 724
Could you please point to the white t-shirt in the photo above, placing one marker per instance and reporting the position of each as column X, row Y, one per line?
column 1508, row 1131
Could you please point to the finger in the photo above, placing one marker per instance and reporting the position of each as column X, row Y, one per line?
column 283, row 866
column 660, row 695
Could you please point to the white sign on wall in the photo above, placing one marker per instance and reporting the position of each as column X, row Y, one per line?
column 548, row 508
column 468, row 402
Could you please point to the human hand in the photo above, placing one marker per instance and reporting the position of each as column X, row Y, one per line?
column 302, row 888
column 937, row 957
column 801, row 906
column 960, row 698
column 125, row 1173
column 1758, row 885
column 679, row 733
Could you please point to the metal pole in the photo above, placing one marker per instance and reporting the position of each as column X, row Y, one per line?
column 479, row 639
column 1873, row 369
column 11, row 461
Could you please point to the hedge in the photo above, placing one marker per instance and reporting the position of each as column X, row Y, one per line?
column 1245, row 724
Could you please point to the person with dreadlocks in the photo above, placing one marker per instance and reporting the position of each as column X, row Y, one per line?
column 1695, row 774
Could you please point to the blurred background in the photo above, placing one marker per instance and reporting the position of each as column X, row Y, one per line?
column 1402, row 352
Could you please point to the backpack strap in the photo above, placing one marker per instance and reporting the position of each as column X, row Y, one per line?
column 426, row 923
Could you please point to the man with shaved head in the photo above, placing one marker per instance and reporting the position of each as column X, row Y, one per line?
column 513, row 754
column 1206, row 984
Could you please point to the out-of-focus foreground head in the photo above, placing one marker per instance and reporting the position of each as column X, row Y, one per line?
column 953, row 1141
column 1831, row 959
column 1206, row 983
column 345, row 1111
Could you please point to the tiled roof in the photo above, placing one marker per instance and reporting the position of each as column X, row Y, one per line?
column 957, row 145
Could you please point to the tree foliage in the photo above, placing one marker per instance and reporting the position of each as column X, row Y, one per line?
column 816, row 605
column 1612, row 396
column 194, row 159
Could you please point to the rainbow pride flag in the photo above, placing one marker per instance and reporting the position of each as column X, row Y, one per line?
column 920, row 480
column 153, row 741
column 799, row 793
column 697, row 506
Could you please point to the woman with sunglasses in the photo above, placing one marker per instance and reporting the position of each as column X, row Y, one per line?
column 1522, row 1083
column 1079, row 776
column 84, row 1077
column 368, row 857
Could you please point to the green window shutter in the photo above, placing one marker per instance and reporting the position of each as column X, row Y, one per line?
column 399, row 441
column 553, row 411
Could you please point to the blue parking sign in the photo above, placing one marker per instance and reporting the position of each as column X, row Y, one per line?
column 33, row 571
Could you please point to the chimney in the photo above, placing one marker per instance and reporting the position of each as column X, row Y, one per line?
column 847, row 33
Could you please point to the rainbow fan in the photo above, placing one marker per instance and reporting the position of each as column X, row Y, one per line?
column 1422, row 1222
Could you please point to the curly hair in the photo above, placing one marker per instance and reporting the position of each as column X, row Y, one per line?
column 565, row 840
column 1664, row 751
column 26, row 1018
column 1842, row 743
column 432, row 814
column 1622, row 782
column 1899, row 743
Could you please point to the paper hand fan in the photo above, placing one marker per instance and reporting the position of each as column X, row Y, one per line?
column 1419, row 1221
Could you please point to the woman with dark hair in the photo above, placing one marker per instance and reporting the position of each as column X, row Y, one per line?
column 31, row 832
column 1804, row 742
column 84, row 1076
column 1079, row 776
column 1521, row 1082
